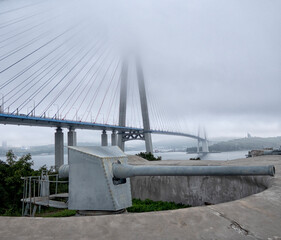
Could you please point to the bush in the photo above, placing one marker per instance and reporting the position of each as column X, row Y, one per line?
column 149, row 206
column 148, row 156
column 62, row 213
column 11, row 184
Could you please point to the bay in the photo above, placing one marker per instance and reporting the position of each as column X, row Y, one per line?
column 49, row 160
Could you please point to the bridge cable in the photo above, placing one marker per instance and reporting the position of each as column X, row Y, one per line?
column 113, row 98
column 35, row 62
column 53, row 61
column 90, row 105
column 49, row 80
column 77, row 88
column 18, row 97
column 3, row 57
column 37, row 49
column 20, row 8
column 75, row 75
column 106, row 93
column 19, row 33
column 17, row 20
column 90, row 87
column 71, row 69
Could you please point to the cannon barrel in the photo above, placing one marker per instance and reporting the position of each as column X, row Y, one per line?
column 124, row 170
column 99, row 176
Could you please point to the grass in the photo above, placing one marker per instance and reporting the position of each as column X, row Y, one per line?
column 53, row 212
column 150, row 206
column 137, row 207
column 63, row 213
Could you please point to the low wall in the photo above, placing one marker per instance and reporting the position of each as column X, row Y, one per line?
column 197, row 190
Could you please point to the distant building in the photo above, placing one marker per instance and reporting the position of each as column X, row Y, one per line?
column 249, row 135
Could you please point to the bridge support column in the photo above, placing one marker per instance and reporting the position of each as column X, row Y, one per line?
column 144, row 108
column 198, row 146
column 71, row 137
column 104, row 141
column 59, row 150
column 205, row 146
column 123, row 103
column 120, row 142
column 113, row 138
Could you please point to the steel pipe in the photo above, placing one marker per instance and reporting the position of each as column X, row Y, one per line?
column 124, row 170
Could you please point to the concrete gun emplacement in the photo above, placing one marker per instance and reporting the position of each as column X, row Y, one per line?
column 99, row 177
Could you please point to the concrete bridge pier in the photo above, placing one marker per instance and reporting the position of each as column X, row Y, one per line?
column 198, row 146
column 120, row 143
column 71, row 137
column 104, row 140
column 113, row 138
column 205, row 146
column 59, row 148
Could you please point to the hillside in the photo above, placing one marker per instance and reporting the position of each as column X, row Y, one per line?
column 243, row 144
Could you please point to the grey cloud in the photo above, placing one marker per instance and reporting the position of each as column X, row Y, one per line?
column 212, row 63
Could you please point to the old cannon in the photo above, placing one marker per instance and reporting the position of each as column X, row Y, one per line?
column 99, row 177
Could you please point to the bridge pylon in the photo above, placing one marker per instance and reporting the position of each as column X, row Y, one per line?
column 205, row 146
column 204, row 143
column 133, row 135
column 123, row 103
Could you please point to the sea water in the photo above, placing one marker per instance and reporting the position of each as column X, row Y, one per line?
column 49, row 160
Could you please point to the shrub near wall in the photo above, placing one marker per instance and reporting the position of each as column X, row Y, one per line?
column 11, row 184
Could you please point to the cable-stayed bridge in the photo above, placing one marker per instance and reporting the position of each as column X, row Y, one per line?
column 66, row 71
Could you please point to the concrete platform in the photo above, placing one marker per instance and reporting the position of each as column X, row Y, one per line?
column 255, row 217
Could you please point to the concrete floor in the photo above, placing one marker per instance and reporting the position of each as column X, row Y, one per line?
column 254, row 217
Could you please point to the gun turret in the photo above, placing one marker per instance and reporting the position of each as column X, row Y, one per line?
column 99, row 177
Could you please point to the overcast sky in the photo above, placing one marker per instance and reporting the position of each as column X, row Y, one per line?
column 208, row 64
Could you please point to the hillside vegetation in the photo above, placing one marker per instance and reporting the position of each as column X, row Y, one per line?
column 243, row 144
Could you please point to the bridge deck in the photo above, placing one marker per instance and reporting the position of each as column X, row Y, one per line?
column 51, row 122
column 13, row 119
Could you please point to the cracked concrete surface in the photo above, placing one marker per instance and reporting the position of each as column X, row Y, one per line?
column 255, row 217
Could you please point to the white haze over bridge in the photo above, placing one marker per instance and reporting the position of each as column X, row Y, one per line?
column 213, row 64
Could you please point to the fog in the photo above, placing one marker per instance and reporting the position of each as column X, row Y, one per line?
column 207, row 64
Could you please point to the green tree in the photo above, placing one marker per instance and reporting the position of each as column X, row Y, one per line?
column 148, row 156
column 11, row 184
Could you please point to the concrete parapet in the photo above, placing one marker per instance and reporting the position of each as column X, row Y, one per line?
column 196, row 190
column 257, row 216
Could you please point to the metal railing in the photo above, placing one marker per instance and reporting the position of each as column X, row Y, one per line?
column 37, row 190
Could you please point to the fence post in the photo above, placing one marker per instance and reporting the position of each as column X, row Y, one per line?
column 57, row 184
column 30, row 196
column 23, row 197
